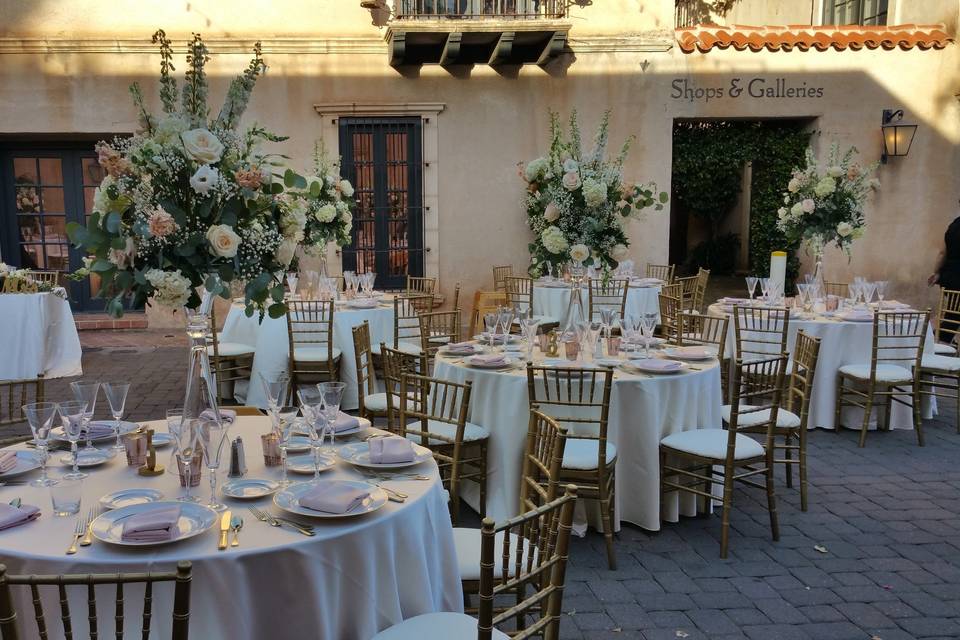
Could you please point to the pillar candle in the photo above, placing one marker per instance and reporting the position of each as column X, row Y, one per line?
column 778, row 271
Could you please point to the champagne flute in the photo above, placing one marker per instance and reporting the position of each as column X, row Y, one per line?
column 188, row 436
column 72, row 414
column 286, row 418
column 292, row 281
column 87, row 392
column 765, row 288
column 213, row 435
column 752, row 286
column 311, row 405
column 40, row 416
column 116, row 393
column 332, row 393
column 275, row 388
column 882, row 286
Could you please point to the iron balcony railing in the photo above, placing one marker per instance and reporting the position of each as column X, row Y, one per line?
column 690, row 13
column 479, row 9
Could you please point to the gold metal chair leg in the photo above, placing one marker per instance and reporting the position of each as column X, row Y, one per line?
column 917, row 418
column 803, row 469
column 606, row 506
column 772, row 500
column 839, row 407
column 867, row 410
column 725, row 518
column 788, row 455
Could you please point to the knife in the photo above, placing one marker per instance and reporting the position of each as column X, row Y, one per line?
column 224, row 529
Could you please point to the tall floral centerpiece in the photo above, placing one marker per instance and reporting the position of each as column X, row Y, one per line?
column 187, row 207
column 578, row 204
column 824, row 205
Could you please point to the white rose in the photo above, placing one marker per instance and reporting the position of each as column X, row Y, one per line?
column 844, row 229
column 579, row 252
column 286, row 251
column 619, row 252
column 204, row 179
column 570, row 165
column 796, row 209
column 551, row 213
column 201, row 145
column 835, row 171
column 223, row 241
column 571, row 181
column 793, row 186
column 326, row 213
column 808, row 205
column 346, row 189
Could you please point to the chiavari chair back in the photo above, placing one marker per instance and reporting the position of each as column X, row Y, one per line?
column 806, row 353
column 230, row 362
column 698, row 329
column 420, row 286
column 948, row 322
column 485, row 302
column 456, row 298
column 16, row 393
column 760, row 332
column 48, row 277
column 661, row 272
column 688, row 292
column 519, row 291
column 396, row 363
column 500, row 275
column 703, row 279
column 542, row 460
column 438, row 329
column 406, row 319
column 310, row 336
column 670, row 309
column 610, row 294
column 371, row 404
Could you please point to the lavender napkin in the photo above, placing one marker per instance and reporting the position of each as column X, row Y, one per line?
column 658, row 364
column 390, row 450
column 154, row 525
column 345, row 422
column 11, row 516
column 460, row 347
column 489, row 359
column 226, row 415
column 8, row 460
column 98, row 429
column 333, row 497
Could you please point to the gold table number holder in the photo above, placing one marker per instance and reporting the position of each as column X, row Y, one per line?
column 151, row 468
column 553, row 344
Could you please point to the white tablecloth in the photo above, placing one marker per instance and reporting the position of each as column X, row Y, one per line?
column 356, row 577
column 643, row 410
column 39, row 336
column 841, row 343
column 555, row 301
column 269, row 338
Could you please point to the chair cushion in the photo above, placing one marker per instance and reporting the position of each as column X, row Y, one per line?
column 471, row 432
column 712, row 443
column 313, row 354
column 437, row 626
column 785, row 419
column 941, row 349
column 231, row 349
column 885, row 372
column 375, row 402
column 582, row 454
column 467, row 543
column 941, row 363
column 407, row 347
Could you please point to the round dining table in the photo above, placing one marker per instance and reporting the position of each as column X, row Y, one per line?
column 551, row 298
column 644, row 409
column 271, row 344
column 357, row 576
column 39, row 336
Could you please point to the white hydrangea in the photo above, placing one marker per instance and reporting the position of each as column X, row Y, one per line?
column 835, row 171
column 553, row 240
column 825, row 186
column 844, row 229
column 172, row 288
column 535, row 169
column 101, row 201
column 326, row 213
column 594, row 192
column 169, row 129
column 570, row 165
column 346, row 189
column 292, row 221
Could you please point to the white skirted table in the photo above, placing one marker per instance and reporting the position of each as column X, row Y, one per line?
column 269, row 339
column 553, row 299
column 643, row 410
column 354, row 578
column 842, row 343
column 39, row 337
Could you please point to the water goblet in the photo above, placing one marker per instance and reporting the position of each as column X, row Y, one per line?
column 869, row 288
column 71, row 413
column 40, row 416
column 286, row 419
column 332, row 393
column 752, row 286
column 213, row 437
column 275, row 388
column 649, row 326
column 188, row 439
column 505, row 321
column 87, row 392
column 116, row 393
column 311, row 406
column 764, row 288
column 292, row 281
column 490, row 323
column 882, row 286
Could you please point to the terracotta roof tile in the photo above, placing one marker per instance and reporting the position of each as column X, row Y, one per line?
column 805, row 37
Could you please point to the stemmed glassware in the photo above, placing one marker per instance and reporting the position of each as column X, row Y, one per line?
column 286, row 419
column 275, row 388
column 214, row 436
column 752, row 286
column 188, row 437
column 529, row 327
column 332, row 393
column 491, row 322
column 40, row 416
column 348, row 282
column 174, row 418
column 311, row 406
column 882, row 286
column 72, row 414
column 292, row 281
column 649, row 325
column 505, row 321
column 116, row 393
column 549, row 277
column 869, row 288
column 764, row 289
column 86, row 392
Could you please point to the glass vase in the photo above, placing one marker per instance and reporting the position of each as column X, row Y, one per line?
column 575, row 311
column 200, row 394
column 818, row 277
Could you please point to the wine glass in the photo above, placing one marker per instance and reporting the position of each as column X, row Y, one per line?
column 882, row 286
column 869, row 288
column 116, row 393
column 751, row 286
column 275, row 388
column 311, row 405
column 86, row 392
column 188, row 437
column 292, row 281
column 72, row 414
column 213, row 436
column 764, row 288
column 332, row 393
column 490, row 322
column 40, row 416
column 607, row 317
column 649, row 326
column 505, row 321
column 174, row 418
column 854, row 290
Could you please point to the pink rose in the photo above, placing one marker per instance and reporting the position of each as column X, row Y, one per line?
column 808, row 205
column 571, row 181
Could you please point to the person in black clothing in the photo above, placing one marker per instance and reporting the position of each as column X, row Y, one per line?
column 947, row 272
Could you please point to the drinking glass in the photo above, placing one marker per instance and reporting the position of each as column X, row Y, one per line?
column 607, row 318
column 286, row 419
column 87, row 392
column 332, row 393
column 854, row 289
column 490, row 323
column 292, row 281
column 40, row 416
column 751, row 286
column 764, row 288
column 71, row 413
column 549, row 272
column 529, row 327
column 348, row 282
column 188, row 437
column 174, row 417
column 506, row 321
column 882, row 286
column 116, row 393
column 213, row 436
column 649, row 326
column 311, row 406
column 869, row 288
column 631, row 326
column 65, row 496
column 275, row 388
column 592, row 337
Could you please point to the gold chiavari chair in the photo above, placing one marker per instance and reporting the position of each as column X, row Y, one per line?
column 500, row 275
column 372, row 404
column 688, row 296
column 661, row 271
column 610, row 294
column 759, row 332
column 485, row 302
column 520, row 296
column 396, row 363
column 670, row 309
column 689, row 460
column 579, row 399
column 312, row 356
column 542, row 458
column 16, row 393
column 230, row 362
column 703, row 279
column 49, row 277
column 672, row 290
column 523, row 559
column 456, row 298
column 947, row 323
column 940, row 371
column 406, row 322
column 10, row 629
column 709, row 331
column 433, row 413
column 438, row 329
column 420, row 286
column 839, row 289
column 893, row 372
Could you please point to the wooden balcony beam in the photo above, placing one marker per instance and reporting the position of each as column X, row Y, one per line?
column 451, row 50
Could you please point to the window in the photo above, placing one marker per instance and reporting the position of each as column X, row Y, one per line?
column 383, row 159
column 865, row 12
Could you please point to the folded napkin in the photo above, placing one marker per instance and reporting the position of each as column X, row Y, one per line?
column 11, row 516
column 460, row 347
column 226, row 415
column 729, row 300
column 154, row 525
column 691, row 352
column 345, row 422
column 98, row 429
column 390, row 450
column 333, row 497
column 8, row 460
column 489, row 359
column 658, row 364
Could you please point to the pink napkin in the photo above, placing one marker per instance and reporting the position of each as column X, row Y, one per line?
column 228, row 416
column 390, row 450
column 460, row 347
column 345, row 422
column 8, row 460
column 333, row 497
column 729, row 300
column 364, row 303
column 154, row 525
column 11, row 516
column 489, row 359
column 658, row 364
column 98, row 429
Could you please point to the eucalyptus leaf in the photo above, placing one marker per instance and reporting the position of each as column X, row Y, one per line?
column 112, row 222
column 277, row 310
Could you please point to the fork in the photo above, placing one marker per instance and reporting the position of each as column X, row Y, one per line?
column 263, row 516
column 82, row 525
column 88, row 535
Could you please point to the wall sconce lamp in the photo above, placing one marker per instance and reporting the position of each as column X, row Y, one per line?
column 897, row 135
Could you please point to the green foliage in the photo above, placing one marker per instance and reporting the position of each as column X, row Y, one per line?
column 168, row 84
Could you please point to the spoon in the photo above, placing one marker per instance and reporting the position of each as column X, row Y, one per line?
column 236, row 523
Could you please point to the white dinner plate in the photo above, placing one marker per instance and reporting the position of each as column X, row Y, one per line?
column 162, row 439
column 689, row 353
column 608, row 362
column 130, row 497
column 87, row 458
column 194, row 520
column 645, row 366
column 506, row 363
column 305, row 464
column 289, row 500
column 26, row 462
column 298, row 443
column 453, row 353
column 855, row 317
column 249, row 488
column 358, row 454
column 57, row 433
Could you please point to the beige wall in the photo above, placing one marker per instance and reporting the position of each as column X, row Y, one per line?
column 623, row 60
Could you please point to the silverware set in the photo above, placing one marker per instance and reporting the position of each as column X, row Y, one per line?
column 279, row 521
column 92, row 515
column 78, row 532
